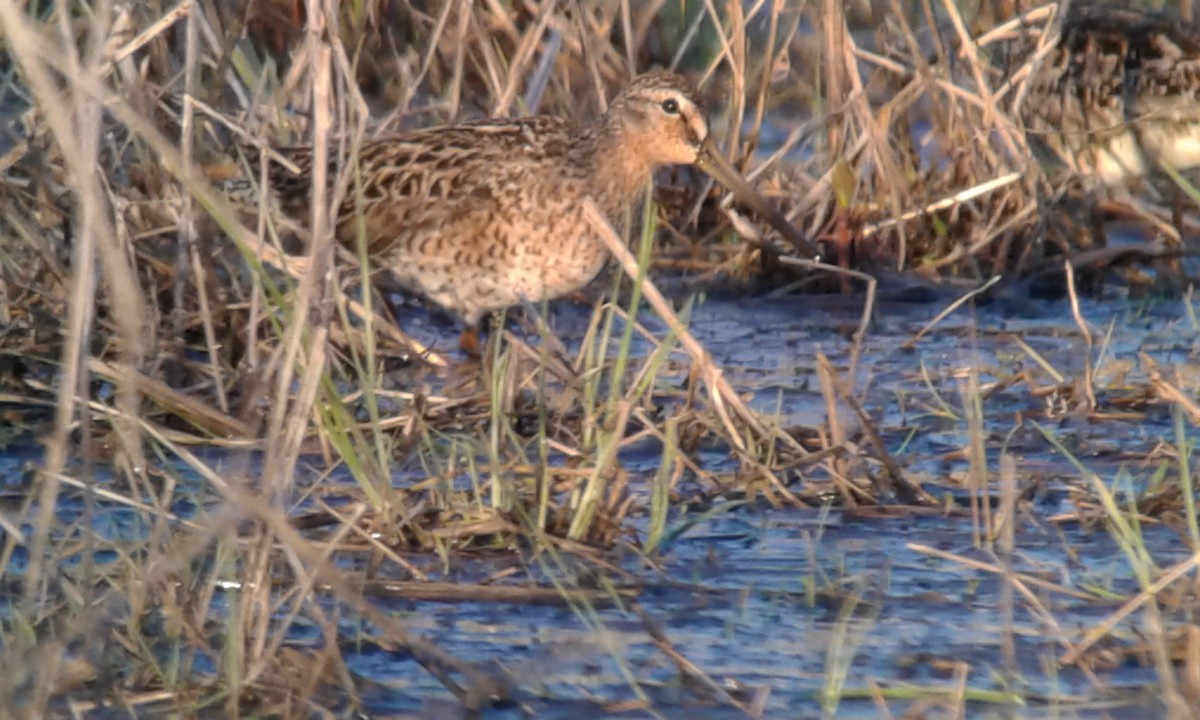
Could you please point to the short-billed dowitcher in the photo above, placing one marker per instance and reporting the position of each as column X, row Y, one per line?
column 1118, row 95
column 485, row 215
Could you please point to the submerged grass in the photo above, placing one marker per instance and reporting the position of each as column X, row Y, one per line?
column 130, row 314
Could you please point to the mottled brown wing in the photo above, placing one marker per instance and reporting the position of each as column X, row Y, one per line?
column 412, row 185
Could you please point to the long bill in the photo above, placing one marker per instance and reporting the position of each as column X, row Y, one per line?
column 710, row 160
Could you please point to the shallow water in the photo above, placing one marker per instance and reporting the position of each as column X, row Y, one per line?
column 764, row 591
column 779, row 604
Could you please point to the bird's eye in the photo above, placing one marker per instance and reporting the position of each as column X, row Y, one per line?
column 670, row 106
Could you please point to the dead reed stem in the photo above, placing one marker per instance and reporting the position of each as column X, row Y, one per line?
column 724, row 400
column 75, row 121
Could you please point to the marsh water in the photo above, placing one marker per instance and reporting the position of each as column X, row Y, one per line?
column 780, row 605
column 784, row 608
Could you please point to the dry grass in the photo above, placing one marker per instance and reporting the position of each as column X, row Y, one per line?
column 149, row 314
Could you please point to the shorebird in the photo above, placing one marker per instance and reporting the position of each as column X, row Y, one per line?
column 485, row 215
column 1116, row 97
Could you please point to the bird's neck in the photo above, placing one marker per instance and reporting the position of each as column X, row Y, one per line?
column 618, row 164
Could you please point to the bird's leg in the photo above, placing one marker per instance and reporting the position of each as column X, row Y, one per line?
column 1177, row 209
column 468, row 342
column 389, row 304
